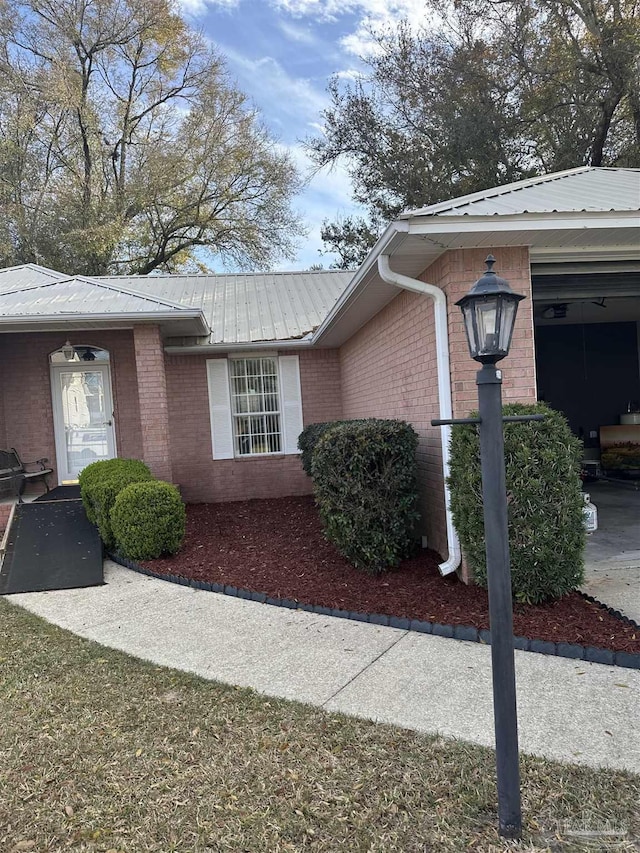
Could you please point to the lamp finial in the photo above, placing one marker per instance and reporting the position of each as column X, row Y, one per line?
column 490, row 261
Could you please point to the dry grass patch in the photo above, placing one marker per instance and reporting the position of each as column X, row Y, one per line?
column 102, row 752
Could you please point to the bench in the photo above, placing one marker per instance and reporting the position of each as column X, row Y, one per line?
column 14, row 471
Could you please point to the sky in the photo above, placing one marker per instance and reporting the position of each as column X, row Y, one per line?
column 282, row 53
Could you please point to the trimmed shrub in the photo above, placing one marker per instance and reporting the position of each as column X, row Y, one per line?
column 308, row 439
column 545, row 504
column 100, row 484
column 364, row 477
column 148, row 520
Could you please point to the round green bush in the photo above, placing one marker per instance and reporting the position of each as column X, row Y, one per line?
column 148, row 520
column 307, row 441
column 545, row 504
column 101, row 482
column 364, row 479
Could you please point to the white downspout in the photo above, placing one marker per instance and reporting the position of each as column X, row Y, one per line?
column 444, row 388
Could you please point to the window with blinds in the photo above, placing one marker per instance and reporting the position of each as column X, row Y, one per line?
column 255, row 406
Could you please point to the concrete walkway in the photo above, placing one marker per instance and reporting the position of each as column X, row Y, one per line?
column 612, row 557
column 568, row 710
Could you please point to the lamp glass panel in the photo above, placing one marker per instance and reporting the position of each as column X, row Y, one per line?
column 468, row 315
column 507, row 322
column 486, row 311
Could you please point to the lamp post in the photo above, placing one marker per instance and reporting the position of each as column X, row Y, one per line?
column 489, row 312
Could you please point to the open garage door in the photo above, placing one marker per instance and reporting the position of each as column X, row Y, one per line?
column 587, row 334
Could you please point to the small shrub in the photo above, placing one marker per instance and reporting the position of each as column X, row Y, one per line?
column 100, row 484
column 308, row 439
column 364, row 477
column 545, row 504
column 148, row 519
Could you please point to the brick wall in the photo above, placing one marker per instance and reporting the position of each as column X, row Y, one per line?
column 455, row 272
column 202, row 478
column 389, row 371
column 389, row 366
column 26, row 390
column 152, row 395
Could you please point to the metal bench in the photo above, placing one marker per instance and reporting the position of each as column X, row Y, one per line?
column 14, row 471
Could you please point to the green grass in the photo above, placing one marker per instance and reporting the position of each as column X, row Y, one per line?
column 102, row 752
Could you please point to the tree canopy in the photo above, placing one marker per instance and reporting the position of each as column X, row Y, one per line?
column 500, row 91
column 125, row 148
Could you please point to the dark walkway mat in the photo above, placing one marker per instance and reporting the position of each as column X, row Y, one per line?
column 61, row 493
column 51, row 546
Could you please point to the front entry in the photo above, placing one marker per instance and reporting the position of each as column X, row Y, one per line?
column 82, row 410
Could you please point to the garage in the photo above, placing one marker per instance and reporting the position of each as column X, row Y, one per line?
column 587, row 336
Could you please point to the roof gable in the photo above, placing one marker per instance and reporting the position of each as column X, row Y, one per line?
column 586, row 189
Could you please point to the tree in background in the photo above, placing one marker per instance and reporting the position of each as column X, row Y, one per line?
column 124, row 148
column 503, row 90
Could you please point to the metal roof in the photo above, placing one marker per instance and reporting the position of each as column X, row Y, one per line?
column 249, row 307
column 27, row 275
column 582, row 190
column 78, row 295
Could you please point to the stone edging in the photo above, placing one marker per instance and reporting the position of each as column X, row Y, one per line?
column 456, row 632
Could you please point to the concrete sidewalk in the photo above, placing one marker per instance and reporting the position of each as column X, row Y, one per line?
column 568, row 710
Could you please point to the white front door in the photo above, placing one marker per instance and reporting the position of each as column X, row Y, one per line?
column 82, row 417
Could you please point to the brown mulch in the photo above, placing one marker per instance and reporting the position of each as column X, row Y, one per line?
column 277, row 547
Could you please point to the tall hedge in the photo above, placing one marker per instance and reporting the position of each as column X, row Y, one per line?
column 545, row 504
column 365, row 485
column 100, row 484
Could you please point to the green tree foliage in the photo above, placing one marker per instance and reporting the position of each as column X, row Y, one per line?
column 504, row 90
column 546, row 528
column 125, row 148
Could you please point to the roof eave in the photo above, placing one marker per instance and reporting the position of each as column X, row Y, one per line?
column 200, row 325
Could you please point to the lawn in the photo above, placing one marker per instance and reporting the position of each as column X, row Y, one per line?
column 103, row 752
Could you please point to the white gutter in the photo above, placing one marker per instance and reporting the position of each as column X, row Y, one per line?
column 444, row 388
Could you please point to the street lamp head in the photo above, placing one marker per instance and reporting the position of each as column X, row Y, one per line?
column 489, row 311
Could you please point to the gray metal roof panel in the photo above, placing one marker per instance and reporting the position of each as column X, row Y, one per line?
column 78, row 296
column 583, row 190
column 249, row 307
column 27, row 275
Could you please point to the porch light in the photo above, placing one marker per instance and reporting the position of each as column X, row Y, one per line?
column 68, row 352
column 489, row 312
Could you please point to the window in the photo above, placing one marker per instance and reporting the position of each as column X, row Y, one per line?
column 255, row 405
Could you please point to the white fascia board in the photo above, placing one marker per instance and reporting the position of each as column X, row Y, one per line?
column 519, row 222
column 584, row 254
column 128, row 317
column 369, row 265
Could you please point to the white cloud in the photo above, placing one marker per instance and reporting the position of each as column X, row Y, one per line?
column 199, row 7
column 326, row 196
column 294, row 33
column 283, row 99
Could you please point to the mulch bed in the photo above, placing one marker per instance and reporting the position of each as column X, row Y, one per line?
column 277, row 547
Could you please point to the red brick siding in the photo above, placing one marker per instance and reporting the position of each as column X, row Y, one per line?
column 201, row 478
column 389, row 366
column 389, row 371
column 152, row 393
column 455, row 272
column 26, row 390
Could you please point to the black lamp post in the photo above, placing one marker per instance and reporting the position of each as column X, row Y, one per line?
column 489, row 311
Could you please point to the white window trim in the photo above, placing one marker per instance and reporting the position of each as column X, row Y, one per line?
column 222, row 418
column 235, row 416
